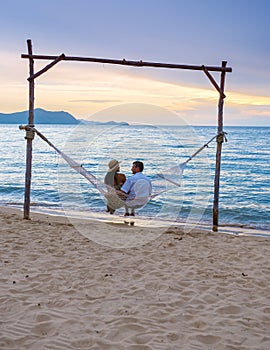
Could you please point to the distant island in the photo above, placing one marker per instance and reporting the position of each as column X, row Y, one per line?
column 49, row 117
column 94, row 122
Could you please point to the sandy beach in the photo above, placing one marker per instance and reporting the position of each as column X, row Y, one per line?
column 196, row 290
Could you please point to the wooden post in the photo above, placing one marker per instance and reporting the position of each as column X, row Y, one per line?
column 28, row 172
column 219, row 148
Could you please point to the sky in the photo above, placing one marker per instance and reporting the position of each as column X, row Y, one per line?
column 170, row 31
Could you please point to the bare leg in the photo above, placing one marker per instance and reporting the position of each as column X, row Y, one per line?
column 110, row 210
column 126, row 211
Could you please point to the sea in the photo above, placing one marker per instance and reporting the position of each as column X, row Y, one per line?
column 185, row 197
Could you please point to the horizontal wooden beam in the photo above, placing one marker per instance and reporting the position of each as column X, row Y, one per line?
column 125, row 62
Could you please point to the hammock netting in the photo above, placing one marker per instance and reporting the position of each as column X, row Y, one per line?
column 165, row 181
column 116, row 200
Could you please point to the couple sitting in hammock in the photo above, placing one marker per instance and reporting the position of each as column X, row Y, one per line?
column 131, row 193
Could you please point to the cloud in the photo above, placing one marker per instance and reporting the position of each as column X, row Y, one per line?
column 96, row 101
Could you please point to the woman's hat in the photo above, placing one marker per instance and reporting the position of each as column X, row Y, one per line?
column 113, row 164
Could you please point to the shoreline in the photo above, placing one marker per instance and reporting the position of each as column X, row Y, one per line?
column 60, row 289
column 142, row 221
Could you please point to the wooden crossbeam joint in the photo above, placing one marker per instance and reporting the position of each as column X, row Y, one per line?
column 213, row 81
column 43, row 70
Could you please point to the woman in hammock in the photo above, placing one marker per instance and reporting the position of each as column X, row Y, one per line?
column 113, row 179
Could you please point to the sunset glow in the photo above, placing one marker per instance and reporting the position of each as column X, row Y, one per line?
column 86, row 88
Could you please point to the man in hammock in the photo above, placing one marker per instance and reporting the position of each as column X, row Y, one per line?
column 137, row 188
column 113, row 179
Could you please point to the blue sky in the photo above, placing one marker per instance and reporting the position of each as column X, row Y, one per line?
column 185, row 32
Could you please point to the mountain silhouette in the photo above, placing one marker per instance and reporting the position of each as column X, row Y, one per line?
column 41, row 116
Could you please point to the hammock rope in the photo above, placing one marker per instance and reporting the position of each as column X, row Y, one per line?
column 110, row 192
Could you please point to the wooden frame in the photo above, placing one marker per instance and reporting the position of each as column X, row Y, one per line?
column 55, row 59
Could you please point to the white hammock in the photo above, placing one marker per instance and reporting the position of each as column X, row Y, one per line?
column 172, row 176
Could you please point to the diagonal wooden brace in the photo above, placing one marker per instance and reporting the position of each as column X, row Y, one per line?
column 213, row 81
column 43, row 70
